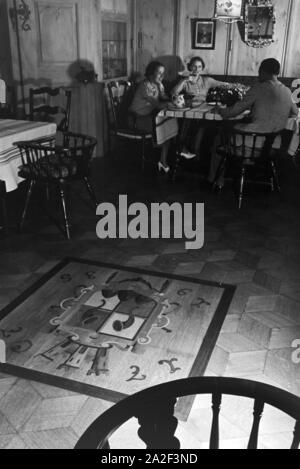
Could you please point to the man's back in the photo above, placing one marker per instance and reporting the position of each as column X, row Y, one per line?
column 271, row 105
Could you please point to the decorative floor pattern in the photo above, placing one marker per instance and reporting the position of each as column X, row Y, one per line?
column 257, row 249
column 107, row 331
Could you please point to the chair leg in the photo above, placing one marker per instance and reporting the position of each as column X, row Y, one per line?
column 275, row 176
column 220, row 172
column 27, row 201
column 177, row 164
column 242, row 185
column 143, row 154
column 91, row 191
column 47, row 193
column 64, row 207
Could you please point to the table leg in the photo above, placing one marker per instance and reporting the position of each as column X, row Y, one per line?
column 180, row 145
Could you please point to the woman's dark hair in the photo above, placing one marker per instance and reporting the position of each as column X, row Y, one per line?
column 151, row 69
column 270, row 66
column 193, row 61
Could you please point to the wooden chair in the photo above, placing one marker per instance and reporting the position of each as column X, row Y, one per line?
column 49, row 165
column 248, row 151
column 120, row 95
column 45, row 104
column 154, row 409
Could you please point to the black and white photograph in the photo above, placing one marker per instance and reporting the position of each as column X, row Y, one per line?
column 149, row 228
column 204, row 34
column 231, row 9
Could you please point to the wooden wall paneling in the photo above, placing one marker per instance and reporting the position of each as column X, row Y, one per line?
column 121, row 6
column 155, row 31
column 88, row 111
column 121, row 11
column 245, row 60
column 5, row 52
column 91, row 34
column 57, row 33
column 61, row 32
column 115, row 6
column 24, row 56
column 107, row 5
column 292, row 59
column 69, row 22
column 215, row 59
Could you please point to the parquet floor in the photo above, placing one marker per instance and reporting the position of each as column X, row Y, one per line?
column 258, row 249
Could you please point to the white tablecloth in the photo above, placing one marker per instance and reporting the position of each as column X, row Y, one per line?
column 294, row 125
column 204, row 112
column 12, row 131
column 208, row 112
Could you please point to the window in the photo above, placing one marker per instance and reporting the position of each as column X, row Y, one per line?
column 114, row 49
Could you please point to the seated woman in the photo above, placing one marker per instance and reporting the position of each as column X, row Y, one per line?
column 195, row 86
column 150, row 98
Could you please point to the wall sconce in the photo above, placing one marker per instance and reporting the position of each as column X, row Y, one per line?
column 229, row 11
column 21, row 13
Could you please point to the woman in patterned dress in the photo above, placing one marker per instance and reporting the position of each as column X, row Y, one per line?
column 149, row 99
column 195, row 86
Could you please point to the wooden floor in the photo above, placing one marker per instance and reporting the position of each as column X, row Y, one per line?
column 109, row 331
column 257, row 249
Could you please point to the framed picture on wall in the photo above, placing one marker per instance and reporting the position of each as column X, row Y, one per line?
column 230, row 10
column 203, row 33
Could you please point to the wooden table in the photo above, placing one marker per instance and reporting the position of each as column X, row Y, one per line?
column 207, row 112
column 12, row 131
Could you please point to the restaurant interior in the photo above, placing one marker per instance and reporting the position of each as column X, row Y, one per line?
column 120, row 338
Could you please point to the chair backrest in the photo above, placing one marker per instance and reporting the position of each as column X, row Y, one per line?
column 154, row 408
column 51, row 104
column 44, row 160
column 249, row 145
column 81, row 148
column 120, row 98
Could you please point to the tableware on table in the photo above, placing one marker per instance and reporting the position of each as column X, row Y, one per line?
column 178, row 101
column 173, row 107
column 196, row 103
column 184, row 109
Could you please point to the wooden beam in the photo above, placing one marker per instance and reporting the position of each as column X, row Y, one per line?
column 287, row 38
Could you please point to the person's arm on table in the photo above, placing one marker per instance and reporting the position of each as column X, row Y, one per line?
column 145, row 103
column 212, row 83
column 178, row 89
column 162, row 93
column 241, row 106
